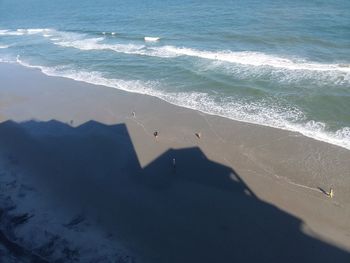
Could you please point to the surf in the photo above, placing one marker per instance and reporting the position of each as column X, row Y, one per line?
column 260, row 113
column 256, row 59
column 244, row 58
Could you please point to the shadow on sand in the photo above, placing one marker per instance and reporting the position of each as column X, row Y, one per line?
column 200, row 211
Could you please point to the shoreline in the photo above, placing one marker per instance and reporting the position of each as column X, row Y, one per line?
column 281, row 168
column 291, row 127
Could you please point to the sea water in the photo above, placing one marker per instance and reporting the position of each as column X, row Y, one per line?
column 280, row 63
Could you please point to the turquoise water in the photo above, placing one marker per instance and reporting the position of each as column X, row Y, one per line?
column 284, row 64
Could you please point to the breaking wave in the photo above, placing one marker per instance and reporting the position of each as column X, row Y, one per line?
column 151, row 39
column 243, row 63
column 243, row 58
column 83, row 42
column 21, row 32
column 108, row 33
column 257, row 59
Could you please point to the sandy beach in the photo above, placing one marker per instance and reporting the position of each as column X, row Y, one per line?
column 82, row 169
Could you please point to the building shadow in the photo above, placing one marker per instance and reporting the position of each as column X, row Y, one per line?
column 182, row 207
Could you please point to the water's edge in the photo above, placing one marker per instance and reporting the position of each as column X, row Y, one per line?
column 85, row 78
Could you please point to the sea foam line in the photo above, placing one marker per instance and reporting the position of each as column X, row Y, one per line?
column 96, row 78
column 261, row 113
column 257, row 59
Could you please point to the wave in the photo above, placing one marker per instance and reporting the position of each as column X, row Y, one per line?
column 109, row 33
column 10, row 33
column 266, row 113
column 248, row 58
column 4, row 46
column 254, row 60
column 97, row 44
column 151, row 39
column 33, row 31
column 21, row 32
column 96, row 78
column 244, row 58
column 86, row 43
column 257, row 59
column 320, row 79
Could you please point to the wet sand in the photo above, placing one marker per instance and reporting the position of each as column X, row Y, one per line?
column 241, row 192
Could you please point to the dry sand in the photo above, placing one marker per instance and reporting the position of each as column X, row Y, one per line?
column 241, row 192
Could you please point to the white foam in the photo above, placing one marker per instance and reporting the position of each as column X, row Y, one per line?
column 257, row 59
column 261, row 113
column 265, row 113
column 96, row 78
column 283, row 70
column 97, row 44
column 151, row 39
column 243, row 58
column 82, row 44
column 4, row 46
column 108, row 33
column 52, row 34
column 321, row 79
column 246, row 58
column 67, row 36
column 33, row 31
column 5, row 32
column 21, row 32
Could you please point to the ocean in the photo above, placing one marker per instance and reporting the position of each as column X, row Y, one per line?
column 278, row 63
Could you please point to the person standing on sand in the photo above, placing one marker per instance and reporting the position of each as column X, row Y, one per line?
column 331, row 193
column 174, row 165
column 155, row 134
